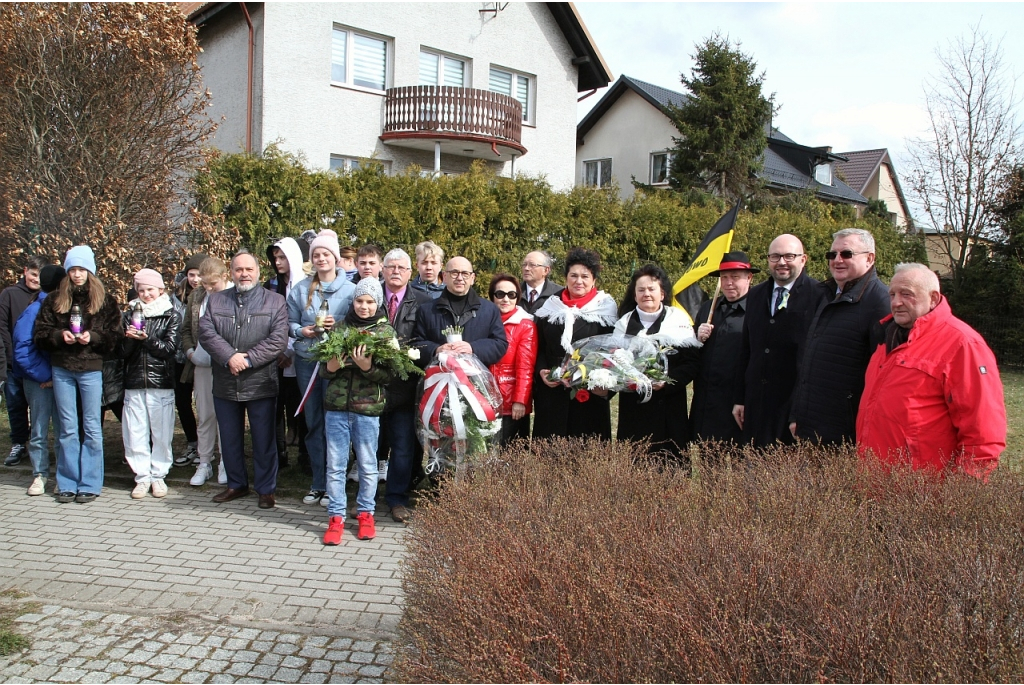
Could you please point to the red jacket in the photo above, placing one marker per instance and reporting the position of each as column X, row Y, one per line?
column 935, row 399
column 514, row 372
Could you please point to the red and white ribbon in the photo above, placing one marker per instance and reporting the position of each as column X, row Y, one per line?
column 447, row 380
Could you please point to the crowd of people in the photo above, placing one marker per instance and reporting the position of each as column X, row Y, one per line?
column 847, row 360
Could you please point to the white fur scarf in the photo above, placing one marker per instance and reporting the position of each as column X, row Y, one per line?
column 601, row 309
column 157, row 307
column 675, row 329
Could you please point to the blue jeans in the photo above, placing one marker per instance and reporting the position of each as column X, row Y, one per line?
column 80, row 463
column 400, row 431
column 17, row 406
column 313, row 412
column 44, row 410
column 348, row 429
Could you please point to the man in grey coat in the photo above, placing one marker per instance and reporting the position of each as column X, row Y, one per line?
column 244, row 330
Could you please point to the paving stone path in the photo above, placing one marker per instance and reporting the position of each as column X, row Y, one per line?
column 184, row 590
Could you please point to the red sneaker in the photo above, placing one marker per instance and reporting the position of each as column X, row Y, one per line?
column 367, row 528
column 334, row 529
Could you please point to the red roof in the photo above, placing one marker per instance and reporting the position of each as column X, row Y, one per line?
column 862, row 166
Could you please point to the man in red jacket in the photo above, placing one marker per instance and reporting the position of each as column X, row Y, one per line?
column 932, row 395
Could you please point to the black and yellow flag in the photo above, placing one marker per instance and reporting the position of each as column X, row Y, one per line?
column 686, row 294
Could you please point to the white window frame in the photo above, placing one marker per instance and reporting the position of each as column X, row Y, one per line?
column 530, row 110
column 668, row 167
column 467, row 66
column 600, row 167
column 350, row 36
column 346, row 164
column 827, row 166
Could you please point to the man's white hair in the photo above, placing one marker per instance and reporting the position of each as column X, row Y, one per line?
column 397, row 254
column 919, row 273
column 866, row 239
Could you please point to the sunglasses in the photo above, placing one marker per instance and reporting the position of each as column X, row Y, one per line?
column 845, row 254
column 502, row 295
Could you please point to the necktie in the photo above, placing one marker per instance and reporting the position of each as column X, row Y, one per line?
column 780, row 293
column 392, row 308
column 533, row 295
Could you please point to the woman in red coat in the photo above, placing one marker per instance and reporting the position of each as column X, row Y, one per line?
column 514, row 372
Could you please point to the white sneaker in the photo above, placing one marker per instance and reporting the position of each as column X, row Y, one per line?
column 382, row 471
column 222, row 475
column 140, row 490
column 325, row 501
column 38, row 486
column 314, row 496
column 203, row 473
column 353, row 472
column 159, row 488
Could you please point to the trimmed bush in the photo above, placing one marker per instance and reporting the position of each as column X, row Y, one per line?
column 586, row 562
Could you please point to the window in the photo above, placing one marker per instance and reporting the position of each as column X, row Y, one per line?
column 823, row 174
column 344, row 164
column 661, row 164
column 359, row 60
column 519, row 86
column 441, row 70
column 597, row 172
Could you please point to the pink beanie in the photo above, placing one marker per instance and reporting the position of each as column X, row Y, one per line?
column 149, row 277
column 328, row 240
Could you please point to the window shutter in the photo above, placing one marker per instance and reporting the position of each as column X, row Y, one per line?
column 501, row 82
column 523, row 95
column 369, row 63
column 428, row 69
column 338, row 40
column 454, row 72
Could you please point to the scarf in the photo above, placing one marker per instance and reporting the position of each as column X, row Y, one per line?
column 157, row 307
column 356, row 321
column 570, row 301
column 597, row 307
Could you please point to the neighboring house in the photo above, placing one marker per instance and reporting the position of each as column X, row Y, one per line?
column 629, row 135
column 872, row 174
column 432, row 84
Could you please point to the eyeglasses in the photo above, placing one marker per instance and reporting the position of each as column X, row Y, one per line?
column 462, row 274
column 502, row 295
column 397, row 267
column 531, row 265
column 845, row 254
column 788, row 257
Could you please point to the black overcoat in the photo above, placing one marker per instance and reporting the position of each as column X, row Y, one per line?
column 716, row 383
column 550, row 289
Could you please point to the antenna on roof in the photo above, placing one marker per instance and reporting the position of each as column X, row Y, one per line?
column 494, row 7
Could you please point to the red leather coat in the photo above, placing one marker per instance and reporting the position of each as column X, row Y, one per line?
column 514, row 372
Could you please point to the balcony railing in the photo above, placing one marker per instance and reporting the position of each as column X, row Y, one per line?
column 460, row 111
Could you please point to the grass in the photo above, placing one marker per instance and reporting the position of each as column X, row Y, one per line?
column 12, row 641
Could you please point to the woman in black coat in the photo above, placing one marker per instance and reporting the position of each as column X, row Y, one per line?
column 581, row 311
column 662, row 419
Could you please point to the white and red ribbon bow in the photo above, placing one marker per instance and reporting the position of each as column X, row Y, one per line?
column 447, row 380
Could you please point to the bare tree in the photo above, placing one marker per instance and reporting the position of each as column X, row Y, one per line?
column 957, row 170
column 102, row 117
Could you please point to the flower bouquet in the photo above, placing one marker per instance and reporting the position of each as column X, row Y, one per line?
column 382, row 345
column 459, row 416
column 614, row 362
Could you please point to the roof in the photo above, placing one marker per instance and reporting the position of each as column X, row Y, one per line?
column 656, row 95
column 863, row 165
column 592, row 71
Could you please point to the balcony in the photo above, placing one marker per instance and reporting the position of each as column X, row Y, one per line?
column 454, row 121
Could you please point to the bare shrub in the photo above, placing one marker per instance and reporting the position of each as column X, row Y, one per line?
column 582, row 561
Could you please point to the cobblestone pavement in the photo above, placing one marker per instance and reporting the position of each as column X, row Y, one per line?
column 185, row 590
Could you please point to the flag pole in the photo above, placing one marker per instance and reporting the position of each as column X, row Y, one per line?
column 714, row 300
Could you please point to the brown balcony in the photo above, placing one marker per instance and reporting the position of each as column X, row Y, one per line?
column 456, row 121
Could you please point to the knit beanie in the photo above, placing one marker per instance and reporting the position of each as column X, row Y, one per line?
column 195, row 261
column 327, row 239
column 148, row 277
column 50, row 277
column 371, row 287
column 81, row 256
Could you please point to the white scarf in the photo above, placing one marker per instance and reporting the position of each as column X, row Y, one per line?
column 675, row 329
column 157, row 307
column 600, row 310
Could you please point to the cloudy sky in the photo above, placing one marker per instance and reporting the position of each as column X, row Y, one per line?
column 848, row 75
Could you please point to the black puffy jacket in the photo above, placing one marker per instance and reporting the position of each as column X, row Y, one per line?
column 149, row 363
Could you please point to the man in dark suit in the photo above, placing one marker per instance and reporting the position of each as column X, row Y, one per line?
column 536, row 288
column 779, row 311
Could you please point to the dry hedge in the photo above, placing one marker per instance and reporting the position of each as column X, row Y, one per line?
column 581, row 561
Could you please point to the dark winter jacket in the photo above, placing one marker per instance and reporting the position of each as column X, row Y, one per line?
column 770, row 357
column 402, row 394
column 149, row 364
column 842, row 337
column 715, row 386
column 352, row 389
column 481, row 323
column 29, row 361
column 190, row 331
column 104, row 329
column 13, row 301
column 254, row 322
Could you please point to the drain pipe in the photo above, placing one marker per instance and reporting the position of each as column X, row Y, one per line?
column 437, row 158
column 248, row 89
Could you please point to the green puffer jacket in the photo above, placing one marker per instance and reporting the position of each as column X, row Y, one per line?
column 352, row 389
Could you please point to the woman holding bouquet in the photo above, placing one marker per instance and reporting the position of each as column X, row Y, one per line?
column 79, row 325
column 313, row 306
column 580, row 312
column 514, row 373
column 354, row 401
column 662, row 419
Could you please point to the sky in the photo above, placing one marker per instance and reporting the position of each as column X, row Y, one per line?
column 848, row 75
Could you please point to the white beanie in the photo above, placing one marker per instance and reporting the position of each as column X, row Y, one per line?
column 328, row 240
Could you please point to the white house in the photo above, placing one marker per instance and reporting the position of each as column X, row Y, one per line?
column 432, row 84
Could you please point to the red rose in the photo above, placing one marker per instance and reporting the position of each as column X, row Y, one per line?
column 582, row 395
column 607, row 363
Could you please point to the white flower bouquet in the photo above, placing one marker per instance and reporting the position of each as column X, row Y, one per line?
column 613, row 362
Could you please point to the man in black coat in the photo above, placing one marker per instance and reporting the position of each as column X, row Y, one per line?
column 842, row 337
column 779, row 311
column 13, row 301
column 536, row 286
column 398, row 423
column 714, row 388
